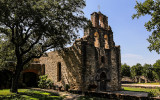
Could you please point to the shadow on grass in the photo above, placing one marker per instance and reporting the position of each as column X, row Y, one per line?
column 32, row 95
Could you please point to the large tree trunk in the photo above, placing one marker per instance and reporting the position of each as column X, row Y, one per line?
column 14, row 86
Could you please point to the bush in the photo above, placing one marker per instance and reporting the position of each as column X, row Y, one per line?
column 44, row 82
column 152, row 93
column 67, row 87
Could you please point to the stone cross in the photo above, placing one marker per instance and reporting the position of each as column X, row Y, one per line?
column 99, row 7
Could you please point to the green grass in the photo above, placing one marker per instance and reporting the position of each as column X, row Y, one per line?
column 27, row 94
column 140, row 89
column 153, row 92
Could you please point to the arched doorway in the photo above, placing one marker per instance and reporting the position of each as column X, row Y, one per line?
column 103, row 81
column 30, row 79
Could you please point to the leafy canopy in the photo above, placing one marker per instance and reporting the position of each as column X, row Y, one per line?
column 7, row 57
column 156, row 70
column 152, row 8
column 35, row 26
column 148, row 71
column 136, row 70
column 125, row 70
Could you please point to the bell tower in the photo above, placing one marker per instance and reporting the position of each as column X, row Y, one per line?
column 99, row 20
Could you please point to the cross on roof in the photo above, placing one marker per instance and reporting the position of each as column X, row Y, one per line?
column 99, row 7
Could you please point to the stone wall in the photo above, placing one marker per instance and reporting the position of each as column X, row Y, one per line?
column 71, row 64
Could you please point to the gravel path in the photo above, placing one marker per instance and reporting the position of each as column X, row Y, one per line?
column 142, row 85
column 132, row 93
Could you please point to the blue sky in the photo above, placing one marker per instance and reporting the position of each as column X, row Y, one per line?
column 130, row 34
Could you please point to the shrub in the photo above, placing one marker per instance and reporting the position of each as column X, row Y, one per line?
column 152, row 93
column 44, row 82
column 67, row 87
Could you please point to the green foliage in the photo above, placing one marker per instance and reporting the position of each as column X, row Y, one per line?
column 152, row 8
column 7, row 55
column 152, row 93
column 67, row 87
column 35, row 26
column 44, row 82
column 148, row 71
column 156, row 70
column 136, row 70
column 125, row 70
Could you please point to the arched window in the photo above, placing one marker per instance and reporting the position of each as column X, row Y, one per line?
column 59, row 72
column 96, row 42
column 106, row 42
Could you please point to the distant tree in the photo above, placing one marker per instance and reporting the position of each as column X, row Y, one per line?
column 156, row 70
column 35, row 26
column 7, row 54
column 152, row 8
column 136, row 70
column 125, row 70
column 148, row 71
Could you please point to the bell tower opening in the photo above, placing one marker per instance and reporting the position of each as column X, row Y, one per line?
column 106, row 41
column 96, row 42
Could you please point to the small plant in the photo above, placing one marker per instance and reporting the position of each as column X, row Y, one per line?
column 152, row 93
column 49, row 83
column 67, row 87
column 158, row 88
column 44, row 83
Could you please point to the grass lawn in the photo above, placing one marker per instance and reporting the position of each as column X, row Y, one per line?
column 27, row 94
column 155, row 92
column 140, row 89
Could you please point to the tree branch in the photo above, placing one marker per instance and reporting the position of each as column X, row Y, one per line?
column 31, row 46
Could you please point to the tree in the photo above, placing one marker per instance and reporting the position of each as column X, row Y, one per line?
column 156, row 70
column 7, row 55
column 148, row 71
column 35, row 26
column 136, row 70
column 152, row 8
column 125, row 70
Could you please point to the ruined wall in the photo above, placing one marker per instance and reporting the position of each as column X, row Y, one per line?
column 70, row 59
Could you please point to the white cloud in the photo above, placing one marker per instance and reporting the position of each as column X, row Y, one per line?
column 132, row 59
column 132, row 56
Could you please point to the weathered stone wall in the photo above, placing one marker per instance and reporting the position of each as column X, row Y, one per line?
column 70, row 59
column 102, row 56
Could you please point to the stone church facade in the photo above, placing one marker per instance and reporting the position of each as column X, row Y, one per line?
column 91, row 63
